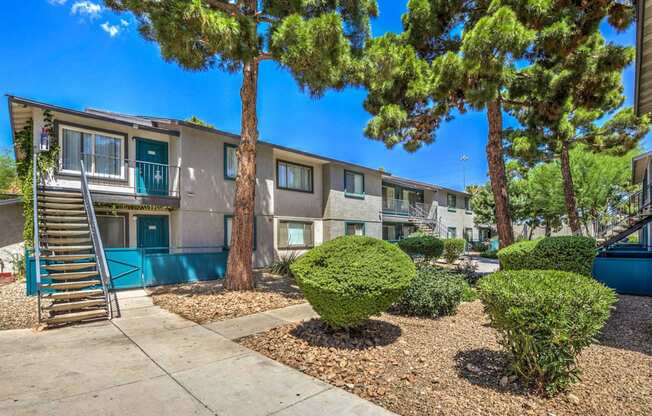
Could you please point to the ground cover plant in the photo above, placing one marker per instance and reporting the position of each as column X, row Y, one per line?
column 281, row 266
column 568, row 253
column 350, row 278
column 422, row 246
column 434, row 292
column 453, row 249
column 545, row 318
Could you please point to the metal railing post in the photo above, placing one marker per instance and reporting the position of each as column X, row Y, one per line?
column 37, row 243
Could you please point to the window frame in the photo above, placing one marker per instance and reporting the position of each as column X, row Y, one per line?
column 61, row 126
column 354, row 194
column 289, row 247
column 227, row 243
column 467, row 205
column 285, row 188
column 451, row 207
column 226, row 176
column 364, row 226
column 448, row 233
column 125, row 227
column 470, row 234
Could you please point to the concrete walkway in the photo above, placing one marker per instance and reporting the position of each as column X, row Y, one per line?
column 152, row 362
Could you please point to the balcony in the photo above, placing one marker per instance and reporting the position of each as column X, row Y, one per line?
column 409, row 209
column 117, row 180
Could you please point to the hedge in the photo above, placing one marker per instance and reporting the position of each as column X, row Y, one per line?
column 545, row 318
column 453, row 249
column 434, row 292
column 350, row 278
column 570, row 253
column 422, row 245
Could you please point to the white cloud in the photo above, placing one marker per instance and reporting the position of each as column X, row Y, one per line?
column 124, row 23
column 57, row 2
column 112, row 30
column 88, row 8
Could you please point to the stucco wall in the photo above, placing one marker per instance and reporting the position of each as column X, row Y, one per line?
column 11, row 224
column 337, row 206
column 288, row 203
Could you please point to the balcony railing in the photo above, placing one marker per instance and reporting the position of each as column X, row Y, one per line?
column 412, row 209
column 127, row 176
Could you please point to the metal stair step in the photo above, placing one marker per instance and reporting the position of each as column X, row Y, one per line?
column 66, row 233
column 67, row 240
column 63, row 225
column 73, row 294
column 75, row 305
column 70, row 275
column 60, row 205
column 66, row 267
column 77, row 316
column 68, row 257
column 67, row 248
column 57, row 193
column 71, row 285
column 51, row 220
column 61, row 212
column 63, row 199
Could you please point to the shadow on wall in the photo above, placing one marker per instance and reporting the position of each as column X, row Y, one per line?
column 11, row 224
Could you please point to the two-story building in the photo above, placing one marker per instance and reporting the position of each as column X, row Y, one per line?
column 162, row 183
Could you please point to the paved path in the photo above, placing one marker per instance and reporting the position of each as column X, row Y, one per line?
column 152, row 362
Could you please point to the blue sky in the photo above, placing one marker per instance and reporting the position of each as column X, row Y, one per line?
column 76, row 54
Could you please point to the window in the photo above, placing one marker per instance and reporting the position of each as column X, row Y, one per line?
column 293, row 176
column 452, row 202
column 293, row 234
column 228, row 227
column 354, row 228
column 468, row 234
column 452, row 232
column 467, row 204
column 230, row 161
column 389, row 232
column 101, row 152
column 353, row 184
column 113, row 230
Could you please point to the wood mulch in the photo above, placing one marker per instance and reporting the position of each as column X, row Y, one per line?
column 454, row 365
column 208, row 301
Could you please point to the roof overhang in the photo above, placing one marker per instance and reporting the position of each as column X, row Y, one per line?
column 639, row 165
column 643, row 77
column 409, row 183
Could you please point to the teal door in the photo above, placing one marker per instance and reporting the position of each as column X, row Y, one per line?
column 152, row 170
column 153, row 232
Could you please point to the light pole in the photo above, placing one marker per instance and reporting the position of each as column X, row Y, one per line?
column 464, row 158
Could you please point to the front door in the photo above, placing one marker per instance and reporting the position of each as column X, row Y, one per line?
column 152, row 171
column 153, row 233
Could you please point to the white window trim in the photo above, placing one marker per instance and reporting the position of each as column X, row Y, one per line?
column 72, row 172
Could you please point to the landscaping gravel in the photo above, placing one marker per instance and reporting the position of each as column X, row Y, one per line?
column 208, row 301
column 17, row 310
column 454, row 365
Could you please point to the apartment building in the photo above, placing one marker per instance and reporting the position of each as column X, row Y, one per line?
column 167, row 184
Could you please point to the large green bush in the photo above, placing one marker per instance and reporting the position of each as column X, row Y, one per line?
column 570, row 254
column 545, row 318
column 422, row 246
column 349, row 279
column 434, row 292
column 453, row 249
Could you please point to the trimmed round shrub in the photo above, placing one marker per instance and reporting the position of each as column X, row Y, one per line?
column 569, row 253
column 453, row 249
column 545, row 318
column 422, row 245
column 434, row 292
column 489, row 254
column 349, row 279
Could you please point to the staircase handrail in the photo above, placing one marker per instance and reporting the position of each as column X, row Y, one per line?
column 37, row 243
column 103, row 268
column 622, row 211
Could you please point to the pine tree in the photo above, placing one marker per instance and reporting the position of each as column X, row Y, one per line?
column 560, row 106
column 316, row 40
column 459, row 55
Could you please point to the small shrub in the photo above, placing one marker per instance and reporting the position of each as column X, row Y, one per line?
column 422, row 246
column 17, row 261
column 468, row 268
column 479, row 246
column 349, row 279
column 570, row 254
column 453, row 249
column 281, row 266
column 545, row 318
column 489, row 254
column 433, row 292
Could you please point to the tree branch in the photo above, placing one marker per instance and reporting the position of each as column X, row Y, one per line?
column 265, row 56
column 260, row 17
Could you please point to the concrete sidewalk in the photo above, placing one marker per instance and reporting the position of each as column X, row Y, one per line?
column 152, row 362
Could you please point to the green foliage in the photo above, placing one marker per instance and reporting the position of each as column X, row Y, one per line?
column 422, row 246
column 545, row 318
column 569, row 253
column 434, row 292
column 489, row 254
column 8, row 174
column 350, row 278
column 282, row 266
column 453, row 249
column 198, row 121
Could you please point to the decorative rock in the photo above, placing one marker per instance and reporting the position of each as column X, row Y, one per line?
column 573, row 398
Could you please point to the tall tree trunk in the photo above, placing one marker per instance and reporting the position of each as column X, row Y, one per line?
column 569, row 192
column 531, row 233
column 497, row 173
column 239, row 274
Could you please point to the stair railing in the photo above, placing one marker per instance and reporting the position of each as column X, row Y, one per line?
column 98, row 247
column 621, row 213
column 37, row 242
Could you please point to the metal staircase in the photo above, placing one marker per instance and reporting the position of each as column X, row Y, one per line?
column 624, row 217
column 73, row 279
column 425, row 222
